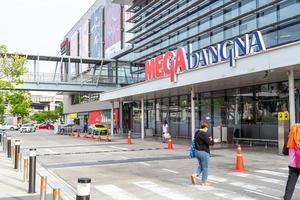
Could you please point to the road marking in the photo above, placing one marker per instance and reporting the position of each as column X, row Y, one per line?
column 261, row 178
column 272, row 173
column 172, row 171
column 144, row 163
column 51, row 151
column 216, row 179
column 284, row 168
column 119, row 148
column 123, row 157
column 115, row 192
column 263, row 194
column 247, row 186
column 162, row 191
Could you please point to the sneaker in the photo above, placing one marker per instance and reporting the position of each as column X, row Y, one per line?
column 194, row 178
column 205, row 184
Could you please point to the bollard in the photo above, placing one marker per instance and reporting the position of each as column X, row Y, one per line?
column 83, row 189
column 9, row 146
column 13, row 154
column 4, row 143
column 25, row 170
column 17, row 152
column 32, row 170
column 20, row 162
column 56, row 194
column 43, row 188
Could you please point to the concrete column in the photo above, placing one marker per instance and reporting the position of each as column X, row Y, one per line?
column 292, row 96
column 142, row 119
column 121, row 116
column 112, row 118
column 193, row 117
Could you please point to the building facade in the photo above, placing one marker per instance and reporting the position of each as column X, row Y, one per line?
column 231, row 63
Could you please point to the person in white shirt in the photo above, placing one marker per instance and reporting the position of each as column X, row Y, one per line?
column 165, row 130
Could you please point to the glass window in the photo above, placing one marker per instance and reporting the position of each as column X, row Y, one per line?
column 193, row 30
column 267, row 17
column 289, row 33
column 184, row 116
column 217, row 19
column 204, row 41
column 204, row 24
column 217, row 36
column 264, row 2
column 248, row 24
column 247, row 6
column 231, row 31
column 231, row 12
column 289, row 9
column 270, row 38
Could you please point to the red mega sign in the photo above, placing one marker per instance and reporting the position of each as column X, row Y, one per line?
column 166, row 65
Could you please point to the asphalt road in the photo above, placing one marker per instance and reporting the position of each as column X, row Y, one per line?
column 147, row 170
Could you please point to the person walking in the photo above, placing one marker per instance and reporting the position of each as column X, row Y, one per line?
column 293, row 146
column 202, row 153
column 165, row 131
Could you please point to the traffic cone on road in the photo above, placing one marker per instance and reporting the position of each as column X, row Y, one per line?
column 85, row 135
column 129, row 138
column 99, row 138
column 107, row 138
column 92, row 136
column 239, row 167
column 170, row 144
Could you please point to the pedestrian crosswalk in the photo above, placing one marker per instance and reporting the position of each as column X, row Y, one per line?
column 253, row 185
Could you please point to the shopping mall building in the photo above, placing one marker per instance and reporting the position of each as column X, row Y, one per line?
column 234, row 64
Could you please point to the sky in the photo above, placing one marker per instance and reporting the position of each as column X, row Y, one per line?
column 38, row 26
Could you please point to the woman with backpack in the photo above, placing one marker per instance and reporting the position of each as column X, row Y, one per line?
column 293, row 146
column 202, row 153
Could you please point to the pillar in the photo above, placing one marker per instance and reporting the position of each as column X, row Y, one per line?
column 193, row 117
column 142, row 119
column 121, row 116
column 292, row 96
column 112, row 118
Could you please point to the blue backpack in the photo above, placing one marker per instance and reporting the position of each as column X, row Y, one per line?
column 192, row 149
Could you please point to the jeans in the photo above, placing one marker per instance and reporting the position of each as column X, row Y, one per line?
column 291, row 183
column 203, row 158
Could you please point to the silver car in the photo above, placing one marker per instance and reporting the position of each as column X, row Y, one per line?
column 27, row 128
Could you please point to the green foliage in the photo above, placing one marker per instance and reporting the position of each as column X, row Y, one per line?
column 60, row 109
column 45, row 116
column 11, row 69
column 20, row 103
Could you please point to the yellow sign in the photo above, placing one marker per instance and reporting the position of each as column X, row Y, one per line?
column 72, row 115
column 283, row 115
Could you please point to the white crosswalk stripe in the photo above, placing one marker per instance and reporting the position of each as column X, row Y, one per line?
column 161, row 190
column 115, row 192
column 268, row 172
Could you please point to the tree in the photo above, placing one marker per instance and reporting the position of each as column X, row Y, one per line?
column 11, row 69
column 60, row 109
column 20, row 103
column 45, row 116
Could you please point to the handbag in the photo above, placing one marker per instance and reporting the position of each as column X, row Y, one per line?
column 192, row 152
column 285, row 150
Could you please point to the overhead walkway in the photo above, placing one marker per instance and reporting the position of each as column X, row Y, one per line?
column 75, row 74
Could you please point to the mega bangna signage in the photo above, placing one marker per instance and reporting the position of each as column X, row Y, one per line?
column 172, row 62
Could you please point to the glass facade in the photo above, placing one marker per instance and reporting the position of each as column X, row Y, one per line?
column 246, row 112
column 211, row 22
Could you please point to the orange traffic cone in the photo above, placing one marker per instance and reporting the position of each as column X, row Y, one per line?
column 92, row 136
column 170, row 144
column 99, row 138
column 239, row 167
column 129, row 138
column 107, row 138
column 85, row 135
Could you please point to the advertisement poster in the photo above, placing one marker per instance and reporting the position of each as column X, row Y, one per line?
column 112, row 28
column 84, row 43
column 96, row 33
column 95, row 118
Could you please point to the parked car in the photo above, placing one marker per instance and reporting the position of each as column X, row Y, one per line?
column 9, row 127
column 68, row 128
column 98, row 129
column 27, row 128
column 46, row 126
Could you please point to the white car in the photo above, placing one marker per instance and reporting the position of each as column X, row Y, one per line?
column 27, row 128
column 9, row 127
